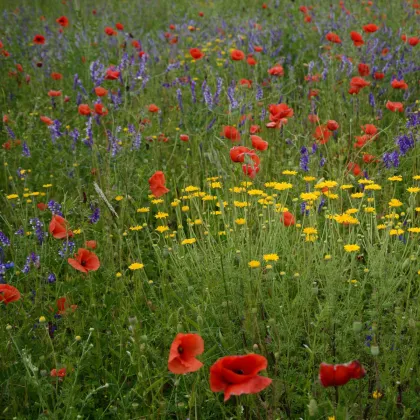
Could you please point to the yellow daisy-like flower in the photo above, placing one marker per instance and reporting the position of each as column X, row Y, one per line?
column 365, row 181
column 357, row 195
column 376, row 395
column 327, row 257
column 189, row 241
column 330, row 195
column 413, row 190
column 414, row 229
column 222, row 233
column 209, row 198
column 271, row 257
column 380, row 227
column 47, row 185
column 288, row 172
column 240, row 204
column 118, row 275
column 162, row 229
column 351, row 248
column 175, row 203
column 12, row 196
column 119, row 198
column 310, row 231
column 282, row 186
column 216, row 213
column 326, row 184
column 346, row 186
column 254, row 264
column 395, row 178
column 255, row 192
column 191, row 188
column 309, row 178
column 216, row 185
column 370, row 210
column 185, row 208
column 351, row 211
column 136, row 266
column 240, row 221
column 138, row 227
column 345, row 219
column 161, row 215
column 157, row 201
column 373, row 187
column 395, row 203
column 143, row 210
column 395, row 232
column 237, row 189
column 310, row 196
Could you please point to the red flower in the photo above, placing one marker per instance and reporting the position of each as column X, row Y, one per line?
column 39, row 39
column 358, row 82
column 245, row 82
column 100, row 91
column 332, row 125
column 61, row 373
column 42, row 206
column 371, row 27
column 119, row 26
column 369, row 158
column 333, row 37
column 112, row 74
column 378, row 75
column 182, row 354
column 196, row 53
column 84, row 261
column 313, row 118
column 231, row 133
column 46, row 120
column 356, row 38
column 56, row 76
column 254, row 129
column 259, row 143
column 59, row 227
column 322, row 134
column 413, row 41
column 395, row 106
column 237, row 55
column 110, row 31
column 237, row 153
column 153, row 108
column 399, row 84
column 252, row 164
column 157, row 184
column 100, row 109
column 63, row 21
column 355, row 168
column 251, row 60
column 54, row 93
column 91, row 244
column 258, row 48
column 236, row 375
column 184, row 137
column 369, row 129
column 364, row 69
column 84, row 109
column 277, row 70
column 8, row 294
column 63, row 306
column 287, row 218
column 337, row 375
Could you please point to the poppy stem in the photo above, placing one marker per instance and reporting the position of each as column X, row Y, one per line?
column 336, row 399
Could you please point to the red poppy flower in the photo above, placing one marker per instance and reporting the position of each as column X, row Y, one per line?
column 277, row 70
column 363, row 69
column 119, row 26
column 287, row 218
column 369, row 129
column 358, row 82
column 307, row 19
column 112, row 74
column 237, row 153
column 378, row 75
column 280, row 111
column 356, row 38
column 61, row 373
column 303, row 9
column 252, row 164
column 337, row 375
column 136, row 44
column 370, row 28
column 39, row 39
column 251, row 60
column 313, row 118
column 100, row 91
column 63, row 21
column 46, row 120
column 399, row 84
column 333, row 37
column 91, row 244
column 258, row 48
column 362, row 140
column 59, row 227
column 332, row 125
column 157, row 184
column 237, row 55
column 153, row 108
column 322, row 134
column 42, row 206
column 201, row 14
column 395, row 106
column 100, row 109
column 184, row 137
column 63, row 306
column 231, row 133
column 413, row 41
column 110, row 31
column 84, row 109
column 369, row 158
column 8, row 294
column 84, row 261
column 245, row 82
column 19, row 68
column 254, row 129
column 56, row 76
column 259, row 143
column 54, row 93
column 196, row 53
column 236, row 375
column 182, row 354
column 355, row 168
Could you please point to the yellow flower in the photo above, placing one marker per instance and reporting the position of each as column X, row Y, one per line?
column 395, row 203
column 255, row 192
column 351, row 211
column 346, row 186
column 191, row 188
column 118, row 274
column 328, row 184
column 143, row 210
column 310, row 196
column 42, row 319
column 345, row 218
column 47, row 185
column 271, row 257
column 237, row 189
column 11, row 196
column 240, row 204
column 287, row 172
column 136, row 266
column 394, row 232
column 309, row 178
column 216, row 185
column 161, row 215
column 351, row 247
column 138, row 227
column 208, row 197
column 357, row 195
column 216, row 213
column 376, row 395
column 369, row 209
column 282, row 186
column 395, row 178
column 373, row 187
column 414, row 229
column 77, row 231
column 310, row 231
column 365, row 181
column 222, row 232
column 413, row 190
column 119, row 197
column 175, row 203
column 254, row 264
column 327, row 257
column 157, row 201
column 330, row 195
column 188, row 241
column 162, row 229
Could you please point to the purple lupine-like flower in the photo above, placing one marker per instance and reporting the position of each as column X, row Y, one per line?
column 259, row 93
column 219, row 84
column 55, row 130
column 321, row 204
column 193, row 93
column 322, row 162
column 179, row 98
column 96, row 213
column 88, row 141
column 32, row 259
column 11, row 133
column 208, row 99
column 67, row 249
column 263, row 114
column 4, row 240
column 37, row 226
column 405, row 143
column 25, row 150
column 314, row 148
column 372, row 100
column 413, row 120
column 210, row 126
column 172, row 66
column 97, row 71
column 51, row 278
column 74, row 134
column 55, row 207
column 231, row 96
column 304, row 159
column 20, row 232
column 114, row 143
column 386, row 158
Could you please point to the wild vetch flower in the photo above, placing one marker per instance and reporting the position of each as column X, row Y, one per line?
column 55, row 130
column 25, row 150
column 405, row 143
column 322, row 162
column 31, row 259
column 51, row 278
column 259, row 94
column 20, row 232
column 208, row 99
column 372, row 100
column 37, row 226
column 193, row 93
column 304, row 159
column 219, row 84
column 179, row 98
column 172, row 66
column 94, row 217
column 55, row 207
column 413, row 120
column 209, row 127
column 74, row 134
column 231, row 95
column 11, row 133
column 4, row 240
column 66, row 249
column 89, row 133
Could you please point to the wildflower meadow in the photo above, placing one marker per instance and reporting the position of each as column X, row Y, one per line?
column 209, row 209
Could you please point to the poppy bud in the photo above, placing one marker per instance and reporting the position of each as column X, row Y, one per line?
column 179, row 328
column 357, row 326
column 143, row 338
column 255, row 347
column 412, row 323
column 312, row 408
column 374, row 350
column 199, row 319
column 254, row 310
